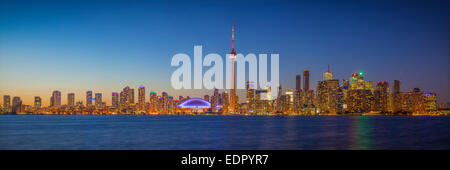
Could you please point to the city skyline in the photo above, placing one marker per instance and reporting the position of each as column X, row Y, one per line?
column 71, row 54
column 304, row 85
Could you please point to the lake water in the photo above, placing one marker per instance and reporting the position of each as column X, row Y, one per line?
column 222, row 132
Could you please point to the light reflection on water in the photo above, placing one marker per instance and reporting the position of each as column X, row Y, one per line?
column 360, row 133
column 222, row 132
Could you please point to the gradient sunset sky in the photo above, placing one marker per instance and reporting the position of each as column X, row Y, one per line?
column 75, row 46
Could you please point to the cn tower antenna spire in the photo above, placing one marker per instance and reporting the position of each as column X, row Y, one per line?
column 232, row 36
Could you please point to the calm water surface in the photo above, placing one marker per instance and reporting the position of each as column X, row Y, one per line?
column 222, row 132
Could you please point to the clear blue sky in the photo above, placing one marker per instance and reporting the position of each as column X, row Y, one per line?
column 75, row 46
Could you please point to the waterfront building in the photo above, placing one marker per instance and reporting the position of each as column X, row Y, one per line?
column 125, row 97
column 98, row 101
column 309, row 99
column 55, row 99
column 214, row 100
column 225, row 102
column 279, row 100
column 89, row 99
column 413, row 102
column 16, row 105
column 396, row 98
column 71, row 99
column 381, row 95
column 298, row 82
column 306, row 80
column 396, row 88
column 327, row 97
column 37, row 102
column 359, row 100
column 298, row 102
column 250, row 89
column 131, row 96
column 141, row 98
column 115, row 100
column 430, row 102
column 7, row 103
column 154, row 102
column 337, row 106
column 165, row 102
column 289, row 100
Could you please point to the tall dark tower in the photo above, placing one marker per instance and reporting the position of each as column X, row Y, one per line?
column 233, row 101
column 396, row 88
column 306, row 80
column 298, row 82
column 396, row 98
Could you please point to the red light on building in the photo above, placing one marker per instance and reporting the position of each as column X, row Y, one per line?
column 382, row 82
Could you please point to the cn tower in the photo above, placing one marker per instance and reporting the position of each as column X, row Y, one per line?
column 233, row 101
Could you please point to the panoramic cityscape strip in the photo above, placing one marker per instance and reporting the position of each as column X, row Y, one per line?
column 356, row 96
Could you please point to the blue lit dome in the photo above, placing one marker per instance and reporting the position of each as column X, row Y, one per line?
column 195, row 103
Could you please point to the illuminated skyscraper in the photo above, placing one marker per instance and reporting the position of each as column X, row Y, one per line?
column 329, row 94
column 88, row 98
column 250, row 96
column 305, row 80
column 309, row 98
column 165, row 102
column 328, row 75
column 56, row 99
column 141, row 98
column 298, row 104
column 262, row 103
column 71, row 99
column 327, row 97
column 37, row 102
column 233, row 100
column 7, row 103
column 382, row 96
column 289, row 102
column 98, row 100
column 337, row 98
column 125, row 97
column 413, row 102
column 131, row 96
column 396, row 98
column 360, row 97
column 115, row 100
column 298, row 82
column 154, row 102
column 215, row 100
column 279, row 99
column 16, row 105
column 358, row 101
column 430, row 102
column 225, row 102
